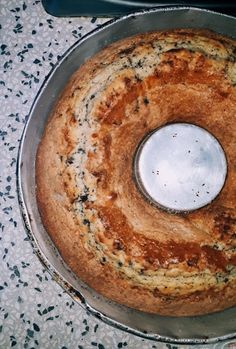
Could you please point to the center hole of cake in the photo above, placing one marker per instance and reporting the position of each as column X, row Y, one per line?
column 180, row 167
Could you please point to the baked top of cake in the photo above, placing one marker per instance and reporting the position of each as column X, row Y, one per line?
column 106, row 231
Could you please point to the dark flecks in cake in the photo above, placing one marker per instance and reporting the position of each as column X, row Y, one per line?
column 70, row 160
column 83, row 198
column 136, row 109
column 139, row 64
column 127, row 51
column 138, row 79
column 224, row 224
column 86, row 222
column 103, row 260
column 193, row 261
column 117, row 244
column 81, row 150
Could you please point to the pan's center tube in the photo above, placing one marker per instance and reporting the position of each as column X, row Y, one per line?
column 180, row 167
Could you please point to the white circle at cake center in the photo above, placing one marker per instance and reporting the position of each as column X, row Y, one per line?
column 180, row 167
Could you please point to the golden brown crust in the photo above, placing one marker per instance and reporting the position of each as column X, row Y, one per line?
column 108, row 234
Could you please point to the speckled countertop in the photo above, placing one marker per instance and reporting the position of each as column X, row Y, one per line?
column 34, row 310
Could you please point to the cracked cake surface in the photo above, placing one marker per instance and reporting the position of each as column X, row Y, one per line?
column 109, row 235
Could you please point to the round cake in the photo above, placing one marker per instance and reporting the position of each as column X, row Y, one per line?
column 108, row 233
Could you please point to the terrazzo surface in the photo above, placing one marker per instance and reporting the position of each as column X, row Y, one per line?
column 34, row 310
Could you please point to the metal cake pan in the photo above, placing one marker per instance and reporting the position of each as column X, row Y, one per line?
column 212, row 328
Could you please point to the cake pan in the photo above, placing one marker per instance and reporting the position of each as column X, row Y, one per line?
column 208, row 329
